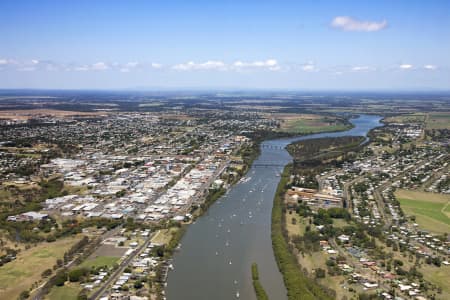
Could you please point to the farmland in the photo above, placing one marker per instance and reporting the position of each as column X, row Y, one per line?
column 33, row 113
column 438, row 121
column 434, row 120
column 309, row 123
column 407, row 118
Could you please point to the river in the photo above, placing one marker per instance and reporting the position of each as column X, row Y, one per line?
column 217, row 251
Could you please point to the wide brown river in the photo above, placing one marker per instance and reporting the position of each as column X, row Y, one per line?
column 217, row 251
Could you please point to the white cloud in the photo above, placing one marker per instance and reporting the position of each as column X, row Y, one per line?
column 309, row 67
column 132, row 64
column 51, row 67
column 349, row 24
column 126, row 67
column 99, row 66
column 405, row 66
column 363, row 69
column 360, row 68
column 81, row 68
column 156, row 65
column 270, row 64
column 208, row 65
column 430, row 67
column 184, row 67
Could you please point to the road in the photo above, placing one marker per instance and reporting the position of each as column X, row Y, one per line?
column 346, row 192
column 39, row 293
column 100, row 292
column 97, row 294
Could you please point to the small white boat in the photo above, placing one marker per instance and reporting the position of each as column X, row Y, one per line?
column 237, row 294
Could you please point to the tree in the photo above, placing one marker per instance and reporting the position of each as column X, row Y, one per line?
column 59, row 262
column 50, row 238
column 46, row 273
column 76, row 274
column 60, row 278
column 320, row 273
column 24, row 295
column 138, row 285
column 160, row 251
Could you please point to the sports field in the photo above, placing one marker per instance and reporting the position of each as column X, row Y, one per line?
column 432, row 211
column 100, row 261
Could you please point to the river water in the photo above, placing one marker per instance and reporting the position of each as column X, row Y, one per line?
column 217, row 251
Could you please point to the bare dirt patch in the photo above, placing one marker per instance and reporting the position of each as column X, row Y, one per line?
column 108, row 250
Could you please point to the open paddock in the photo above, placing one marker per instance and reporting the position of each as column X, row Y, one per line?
column 309, row 123
column 432, row 211
column 21, row 273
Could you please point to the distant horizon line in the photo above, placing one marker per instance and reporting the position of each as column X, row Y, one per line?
column 230, row 89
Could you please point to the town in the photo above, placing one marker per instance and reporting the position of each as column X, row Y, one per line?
column 111, row 194
column 377, row 224
column 152, row 170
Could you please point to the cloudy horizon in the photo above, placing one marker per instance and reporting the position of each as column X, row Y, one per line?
column 100, row 44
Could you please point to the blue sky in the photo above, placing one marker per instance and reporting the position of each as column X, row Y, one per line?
column 305, row 45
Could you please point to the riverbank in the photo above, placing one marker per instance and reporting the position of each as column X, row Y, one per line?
column 236, row 231
column 298, row 285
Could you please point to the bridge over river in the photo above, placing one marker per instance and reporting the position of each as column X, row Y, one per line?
column 217, row 251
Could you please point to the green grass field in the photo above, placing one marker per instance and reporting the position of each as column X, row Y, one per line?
column 432, row 211
column 309, row 123
column 100, row 261
column 66, row 292
column 21, row 273
column 302, row 126
column 439, row 277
